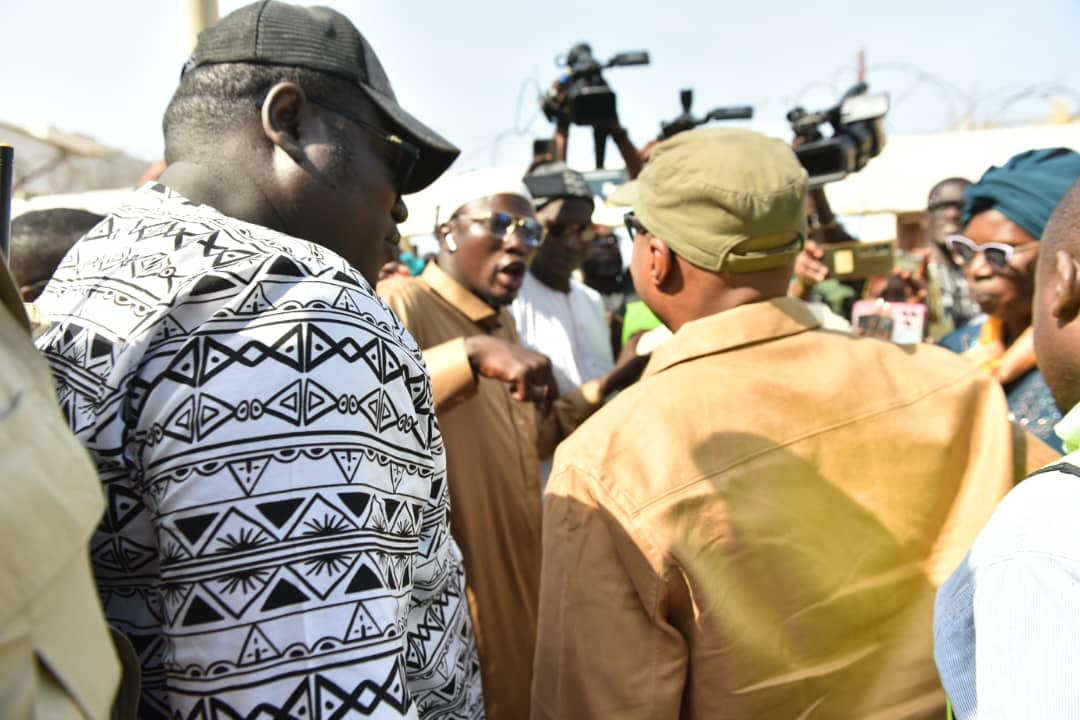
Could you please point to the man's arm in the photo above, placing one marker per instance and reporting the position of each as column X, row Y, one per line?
column 632, row 157
column 571, row 410
column 603, row 648
column 456, row 364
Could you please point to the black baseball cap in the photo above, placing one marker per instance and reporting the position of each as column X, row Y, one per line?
column 318, row 38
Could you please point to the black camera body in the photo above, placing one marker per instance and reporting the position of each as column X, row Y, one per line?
column 858, row 135
column 583, row 96
column 686, row 120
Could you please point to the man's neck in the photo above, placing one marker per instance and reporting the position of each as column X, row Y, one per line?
column 231, row 193
column 701, row 293
column 678, row 317
column 555, row 282
column 606, row 285
column 446, row 265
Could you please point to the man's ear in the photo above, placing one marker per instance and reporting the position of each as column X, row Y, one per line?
column 1065, row 302
column 282, row 112
column 661, row 261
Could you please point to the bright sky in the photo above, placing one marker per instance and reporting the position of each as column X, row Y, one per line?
column 471, row 69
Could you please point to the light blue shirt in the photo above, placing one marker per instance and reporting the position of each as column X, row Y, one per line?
column 1007, row 623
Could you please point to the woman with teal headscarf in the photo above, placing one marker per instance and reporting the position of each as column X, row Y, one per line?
column 1004, row 216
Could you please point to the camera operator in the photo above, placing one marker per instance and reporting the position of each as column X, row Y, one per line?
column 810, row 279
column 631, row 156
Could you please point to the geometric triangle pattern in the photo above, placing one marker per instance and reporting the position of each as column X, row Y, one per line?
column 322, row 573
column 278, row 512
column 238, row 533
column 362, row 626
column 257, row 647
column 238, row 590
column 321, row 519
column 284, row 594
column 247, row 472
column 200, row 612
column 276, row 517
column 348, row 462
column 124, row 505
column 211, row 414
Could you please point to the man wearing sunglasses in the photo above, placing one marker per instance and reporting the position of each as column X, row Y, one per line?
column 277, row 533
column 485, row 385
column 756, row 527
column 559, row 316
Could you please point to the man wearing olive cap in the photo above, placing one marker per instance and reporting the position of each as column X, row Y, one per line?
column 757, row 527
column 276, row 541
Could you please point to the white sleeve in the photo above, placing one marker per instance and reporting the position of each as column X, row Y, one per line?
column 1027, row 627
column 1006, row 624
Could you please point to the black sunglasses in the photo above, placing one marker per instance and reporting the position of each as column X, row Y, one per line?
column 633, row 225
column 401, row 155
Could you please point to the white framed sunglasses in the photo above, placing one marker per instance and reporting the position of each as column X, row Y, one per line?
column 964, row 249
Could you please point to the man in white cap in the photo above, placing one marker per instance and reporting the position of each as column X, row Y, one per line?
column 483, row 380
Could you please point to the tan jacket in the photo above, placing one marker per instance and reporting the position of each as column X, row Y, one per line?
column 758, row 527
column 56, row 656
column 493, row 472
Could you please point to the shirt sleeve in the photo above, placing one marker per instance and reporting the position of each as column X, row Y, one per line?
column 452, row 378
column 1008, row 641
column 1006, row 631
column 604, row 648
column 295, row 475
column 1025, row 608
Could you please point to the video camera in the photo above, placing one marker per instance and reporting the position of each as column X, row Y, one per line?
column 857, row 135
column 582, row 96
column 686, row 121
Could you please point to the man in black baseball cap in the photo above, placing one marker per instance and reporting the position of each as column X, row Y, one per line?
column 285, row 114
column 278, row 542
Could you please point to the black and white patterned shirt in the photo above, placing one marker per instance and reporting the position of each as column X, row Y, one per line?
column 276, row 543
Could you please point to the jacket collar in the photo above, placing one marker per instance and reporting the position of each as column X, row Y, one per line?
column 744, row 325
column 459, row 296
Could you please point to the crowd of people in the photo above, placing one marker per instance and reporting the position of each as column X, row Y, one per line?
column 294, row 475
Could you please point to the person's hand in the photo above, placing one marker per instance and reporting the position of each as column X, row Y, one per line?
column 809, row 270
column 903, row 284
column 646, row 150
column 527, row 372
column 628, row 367
column 557, row 91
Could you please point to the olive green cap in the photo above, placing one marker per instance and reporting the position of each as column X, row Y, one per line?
column 726, row 199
